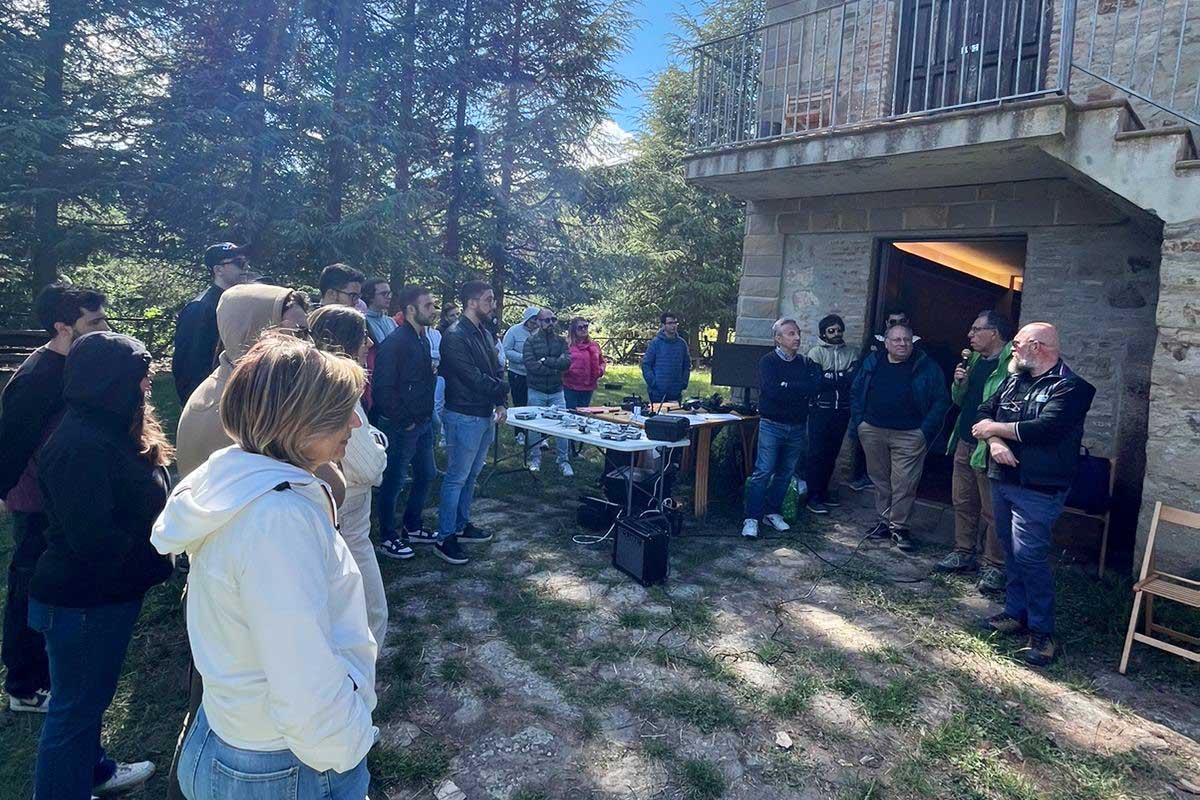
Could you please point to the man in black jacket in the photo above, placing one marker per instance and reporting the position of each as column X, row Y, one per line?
column 197, row 342
column 1033, row 426
column 475, row 396
column 32, row 406
column 402, row 387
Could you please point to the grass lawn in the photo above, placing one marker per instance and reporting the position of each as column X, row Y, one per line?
column 537, row 672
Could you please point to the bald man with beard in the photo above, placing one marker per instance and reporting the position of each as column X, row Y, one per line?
column 1033, row 426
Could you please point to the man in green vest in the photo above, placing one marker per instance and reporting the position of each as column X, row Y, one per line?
column 975, row 380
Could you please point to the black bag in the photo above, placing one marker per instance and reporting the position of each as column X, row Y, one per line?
column 1090, row 489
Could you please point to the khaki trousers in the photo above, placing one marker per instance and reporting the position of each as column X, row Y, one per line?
column 895, row 462
column 971, row 493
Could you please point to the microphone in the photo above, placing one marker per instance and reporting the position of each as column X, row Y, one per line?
column 966, row 357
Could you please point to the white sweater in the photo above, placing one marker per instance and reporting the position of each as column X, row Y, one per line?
column 275, row 611
column 366, row 457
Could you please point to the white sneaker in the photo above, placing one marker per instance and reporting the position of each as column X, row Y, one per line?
column 777, row 522
column 127, row 777
column 567, row 471
column 38, row 704
column 535, row 466
column 750, row 529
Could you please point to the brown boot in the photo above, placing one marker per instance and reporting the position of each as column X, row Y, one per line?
column 1042, row 650
column 1004, row 625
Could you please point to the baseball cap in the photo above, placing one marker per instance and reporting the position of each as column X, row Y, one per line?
column 216, row 253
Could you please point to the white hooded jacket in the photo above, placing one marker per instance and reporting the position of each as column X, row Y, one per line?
column 275, row 609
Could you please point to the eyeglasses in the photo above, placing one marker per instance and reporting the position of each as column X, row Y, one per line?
column 897, row 321
column 973, row 330
column 351, row 295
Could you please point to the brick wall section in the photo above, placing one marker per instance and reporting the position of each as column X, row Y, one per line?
column 1089, row 269
column 1173, row 452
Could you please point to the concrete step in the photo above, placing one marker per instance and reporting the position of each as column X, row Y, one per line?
column 1187, row 147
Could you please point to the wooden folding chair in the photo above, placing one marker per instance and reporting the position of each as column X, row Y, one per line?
column 1154, row 583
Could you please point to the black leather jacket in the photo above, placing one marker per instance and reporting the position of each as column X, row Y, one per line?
column 1049, row 411
column 474, row 385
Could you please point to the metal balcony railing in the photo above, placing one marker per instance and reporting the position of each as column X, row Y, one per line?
column 870, row 60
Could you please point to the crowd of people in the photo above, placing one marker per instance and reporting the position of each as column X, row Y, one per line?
column 1014, row 440
column 298, row 420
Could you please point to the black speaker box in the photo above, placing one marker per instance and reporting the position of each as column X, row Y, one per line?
column 641, row 551
column 667, row 428
column 596, row 513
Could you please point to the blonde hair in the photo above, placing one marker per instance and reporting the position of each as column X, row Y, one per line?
column 284, row 394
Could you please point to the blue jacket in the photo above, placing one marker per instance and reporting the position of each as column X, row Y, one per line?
column 666, row 367
column 929, row 390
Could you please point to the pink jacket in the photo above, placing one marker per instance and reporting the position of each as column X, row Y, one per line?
column 587, row 365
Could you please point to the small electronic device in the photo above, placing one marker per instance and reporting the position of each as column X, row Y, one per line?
column 525, row 415
column 667, row 428
column 642, row 551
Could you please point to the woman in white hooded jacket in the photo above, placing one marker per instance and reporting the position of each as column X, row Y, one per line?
column 276, row 616
column 342, row 330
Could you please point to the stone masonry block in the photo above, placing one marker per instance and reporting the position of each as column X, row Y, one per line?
column 758, row 307
column 852, row 220
column 970, row 215
column 886, row 219
column 762, row 246
column 939, row 195
column 1024, row 213
column 760, row 224
column 762, row 266
column 793, row 223
column 823, row 221
column 916, row 217
column 996, row 191
column 759, row 287
column 770, row 207
column 751, row 330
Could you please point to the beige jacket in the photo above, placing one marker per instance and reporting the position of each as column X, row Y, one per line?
column 243, row 313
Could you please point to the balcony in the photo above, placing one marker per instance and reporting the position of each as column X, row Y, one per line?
column 864, row 63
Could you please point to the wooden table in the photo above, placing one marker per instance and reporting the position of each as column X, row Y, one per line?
column 701, row 435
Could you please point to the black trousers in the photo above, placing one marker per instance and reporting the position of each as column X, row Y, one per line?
column 826, row 429
column 24, row 650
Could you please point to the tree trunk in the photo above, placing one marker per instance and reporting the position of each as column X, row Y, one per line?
column 264, row 44
column 63, row 17
column 397, row 274
column 452, row 248
column 499, row 248
column 338, row 168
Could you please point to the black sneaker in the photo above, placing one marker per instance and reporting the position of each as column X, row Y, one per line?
column 817, row 507
column 880, row 531
column 1003, row 624
column 1042, row 650
column 395, row 548
column 833, row 500
column 902, row 539
column 473, row 535
column 420, row 536
column 451, row 551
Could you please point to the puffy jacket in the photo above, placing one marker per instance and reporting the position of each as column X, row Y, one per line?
column 838, row 365
column 243, row 313
column 470, row 365
column 666, row 367
column 1049, row 411
column 1001, row 371
column 101, row 496
column 276, row 615
column 929, row 390
column 587, row 366
column 546, row 359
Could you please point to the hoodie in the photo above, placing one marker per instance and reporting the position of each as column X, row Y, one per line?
column 100, row 495
column 276, row 616
column 243, row 313
column 514, row 342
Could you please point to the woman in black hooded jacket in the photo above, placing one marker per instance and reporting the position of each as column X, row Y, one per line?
column 103, row 476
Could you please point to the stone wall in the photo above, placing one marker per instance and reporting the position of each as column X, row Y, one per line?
column 1090, row 269
column 1173, row 451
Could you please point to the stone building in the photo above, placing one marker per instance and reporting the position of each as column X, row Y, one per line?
column 1063, row 186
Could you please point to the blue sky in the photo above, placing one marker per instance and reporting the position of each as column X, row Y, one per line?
column 649, row 52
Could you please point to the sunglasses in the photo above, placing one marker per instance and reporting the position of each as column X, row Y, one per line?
column 833, row 330
column 547, row 319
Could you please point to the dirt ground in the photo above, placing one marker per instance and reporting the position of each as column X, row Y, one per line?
column 763, row 669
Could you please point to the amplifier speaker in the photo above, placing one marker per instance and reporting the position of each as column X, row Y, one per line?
column 641, row 551
column 596, row 513
column 667, row 428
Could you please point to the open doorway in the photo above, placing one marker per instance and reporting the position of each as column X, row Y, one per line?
column 943, row 285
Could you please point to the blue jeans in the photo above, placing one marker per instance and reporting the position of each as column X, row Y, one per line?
column 577, row 398
column 467, row 441
column 439, row 403
column 1024, row 518
column 209, row 769
column 542, row 400
column 86, row 647
column 779, row 449
column 405, row 447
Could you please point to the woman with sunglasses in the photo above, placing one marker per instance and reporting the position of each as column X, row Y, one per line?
column 587, row 365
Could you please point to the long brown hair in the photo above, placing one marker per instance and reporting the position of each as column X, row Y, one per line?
column 340, row 330
column 148, row 434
